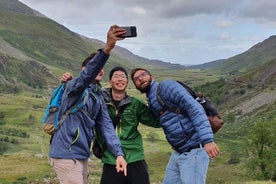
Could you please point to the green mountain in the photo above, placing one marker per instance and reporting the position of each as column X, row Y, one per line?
column 256, row 56
column 35, row 50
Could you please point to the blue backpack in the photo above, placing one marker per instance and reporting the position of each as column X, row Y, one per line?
column 50, row 121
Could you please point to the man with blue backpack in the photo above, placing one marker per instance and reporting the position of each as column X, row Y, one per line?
column 71, row 141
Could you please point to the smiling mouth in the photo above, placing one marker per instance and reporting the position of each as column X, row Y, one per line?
column 121, row 84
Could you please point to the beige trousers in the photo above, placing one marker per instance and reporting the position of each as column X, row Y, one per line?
column 71, row 171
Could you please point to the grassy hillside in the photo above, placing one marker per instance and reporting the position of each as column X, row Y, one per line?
column 44, row 40
column 28, row 146
column 233, row 92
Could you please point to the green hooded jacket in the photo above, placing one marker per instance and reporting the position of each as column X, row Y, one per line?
column 135, row 112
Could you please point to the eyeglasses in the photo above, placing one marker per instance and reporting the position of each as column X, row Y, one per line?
column 117, row 76
column 142, row 74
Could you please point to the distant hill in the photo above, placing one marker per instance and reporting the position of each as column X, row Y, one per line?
column 124, row 53
column 138, row 60
column 207, row 65
column 256, row 56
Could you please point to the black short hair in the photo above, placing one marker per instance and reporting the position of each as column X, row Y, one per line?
column 136, row 69
column 84, row 63
column 117, row 68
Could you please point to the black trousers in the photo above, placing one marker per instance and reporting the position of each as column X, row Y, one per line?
column 137, row 173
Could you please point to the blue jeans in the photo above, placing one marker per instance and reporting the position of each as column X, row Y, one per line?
column 187, row 168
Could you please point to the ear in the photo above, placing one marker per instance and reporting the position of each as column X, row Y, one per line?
column 101, row 73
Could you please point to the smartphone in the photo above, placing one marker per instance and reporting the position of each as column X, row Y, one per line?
column 131, row 31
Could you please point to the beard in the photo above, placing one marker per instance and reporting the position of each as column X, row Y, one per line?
column 146, row 88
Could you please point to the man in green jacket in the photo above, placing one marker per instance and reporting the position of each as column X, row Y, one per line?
column 126, row 113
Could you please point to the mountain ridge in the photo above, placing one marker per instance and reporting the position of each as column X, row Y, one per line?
column 16, row 6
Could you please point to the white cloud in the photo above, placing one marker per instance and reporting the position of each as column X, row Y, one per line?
column 223, row 24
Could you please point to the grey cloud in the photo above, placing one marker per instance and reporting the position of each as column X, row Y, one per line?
column 182, row 8
column 162, row 24
column 162, row 8
column 264, row 9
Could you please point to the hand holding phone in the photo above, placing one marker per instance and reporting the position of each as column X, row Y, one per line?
column 130, row 31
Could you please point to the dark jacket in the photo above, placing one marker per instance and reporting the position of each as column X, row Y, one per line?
column 73, row 139
column 182, row 131
column 135, row 112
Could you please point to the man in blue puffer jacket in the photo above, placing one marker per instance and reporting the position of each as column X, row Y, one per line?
column 70, row 145
column 190, row 135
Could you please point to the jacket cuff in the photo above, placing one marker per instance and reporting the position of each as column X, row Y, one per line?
column 102, row 52
column 120, row 154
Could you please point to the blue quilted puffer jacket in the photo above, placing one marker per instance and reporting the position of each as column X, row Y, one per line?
column 182, row 131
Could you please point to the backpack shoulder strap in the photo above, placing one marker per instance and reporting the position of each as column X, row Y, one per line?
column 117, row 121
column 164, row 106
column 189, row 89
column 77, row 106
column 119, row 115
column 159, row 98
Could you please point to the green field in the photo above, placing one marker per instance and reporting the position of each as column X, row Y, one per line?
column 26, row 159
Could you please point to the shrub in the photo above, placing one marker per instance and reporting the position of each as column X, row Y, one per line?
column 234, row 158
column 261, row 141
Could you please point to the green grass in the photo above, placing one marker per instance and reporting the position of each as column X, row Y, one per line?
column 24, row 167
column 27, row 161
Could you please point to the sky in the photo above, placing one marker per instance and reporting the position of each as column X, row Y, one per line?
column 177, row 31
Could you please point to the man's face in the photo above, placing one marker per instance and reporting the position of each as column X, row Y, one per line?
column 142, row 81
column 119, row 81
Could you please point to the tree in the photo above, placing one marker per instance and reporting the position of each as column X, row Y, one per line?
column 261, row 141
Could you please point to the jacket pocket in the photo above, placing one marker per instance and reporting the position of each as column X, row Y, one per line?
column 76, row 137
